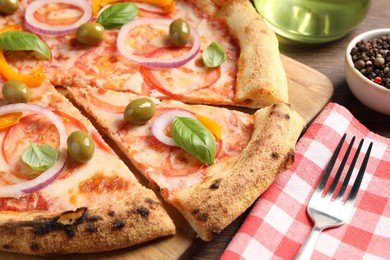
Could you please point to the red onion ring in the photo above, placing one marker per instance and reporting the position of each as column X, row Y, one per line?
column 47, row 29
column 151, row 8
column 151, row 61
column 163, row 120
column 20, row 189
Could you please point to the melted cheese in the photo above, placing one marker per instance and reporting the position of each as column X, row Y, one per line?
column 69, row 193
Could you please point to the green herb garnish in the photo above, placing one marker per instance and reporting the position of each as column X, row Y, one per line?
column 23, row 41
column 214, row 55
column 117, row 15
column 40, row 157
column 195, row 138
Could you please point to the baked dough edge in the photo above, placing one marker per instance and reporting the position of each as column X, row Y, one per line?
column 137, row 218
column 261, row 79
column 216, row 202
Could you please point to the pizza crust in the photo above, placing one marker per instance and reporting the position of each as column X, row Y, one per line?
column 138, row 218
column 261, row 78
column 219, row 200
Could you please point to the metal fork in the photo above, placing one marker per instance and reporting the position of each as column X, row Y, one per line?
column 328, row 210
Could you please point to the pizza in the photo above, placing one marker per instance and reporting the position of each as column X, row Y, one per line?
column 85, row 203
column 247, row 78
column 193, row 93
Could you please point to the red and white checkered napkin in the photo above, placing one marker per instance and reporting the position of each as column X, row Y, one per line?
column 278, row 223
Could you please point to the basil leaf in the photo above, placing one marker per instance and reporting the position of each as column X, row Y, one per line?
column 117, row 15
column 23, row 41
column 214, row 55
column 195, row 138
column 40, row 157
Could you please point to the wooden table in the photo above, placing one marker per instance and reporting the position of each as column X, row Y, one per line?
column 329, row 60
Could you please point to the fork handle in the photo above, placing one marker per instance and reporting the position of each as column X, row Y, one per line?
column 308, row 246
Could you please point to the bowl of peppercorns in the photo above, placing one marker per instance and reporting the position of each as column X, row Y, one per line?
column 367, row 69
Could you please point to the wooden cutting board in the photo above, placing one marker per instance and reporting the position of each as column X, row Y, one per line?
column 309, row 92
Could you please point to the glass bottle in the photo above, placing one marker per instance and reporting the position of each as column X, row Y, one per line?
column 312, row 21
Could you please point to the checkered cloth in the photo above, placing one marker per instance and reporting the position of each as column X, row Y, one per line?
column 278, row 224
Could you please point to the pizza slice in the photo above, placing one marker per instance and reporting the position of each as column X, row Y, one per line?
column 88, row 201
column 209, row 162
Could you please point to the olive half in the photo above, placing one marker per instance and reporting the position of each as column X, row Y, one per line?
column 139, row 111
column 80, row 146
column 90, row 33
column 179, row 32
column 8, row 6
column 15, row 91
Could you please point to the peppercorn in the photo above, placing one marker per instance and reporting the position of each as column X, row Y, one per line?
column 379, row 62
column 372, row 59
column 360, row 64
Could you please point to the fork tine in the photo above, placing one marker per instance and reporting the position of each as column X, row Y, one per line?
column 349, row 173
column 341, row 168
column 329, row 167
column 359, row 177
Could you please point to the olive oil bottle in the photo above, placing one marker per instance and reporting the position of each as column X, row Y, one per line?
column 312, row 21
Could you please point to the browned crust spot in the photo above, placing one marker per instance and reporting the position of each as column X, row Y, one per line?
column 215, row 184
column 86, row 229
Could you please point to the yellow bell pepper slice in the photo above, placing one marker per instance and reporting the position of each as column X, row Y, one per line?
column 213, row 126
column 96, row 4
column 14, row 27
column 9, row 119
column 169, row 8
column 32, row 80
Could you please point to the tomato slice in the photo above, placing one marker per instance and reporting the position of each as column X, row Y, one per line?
column 33, row 201
column 145, row 13
column 176, row 82
column 145, row 39
column 31, row 128
column 38, row 129
column 105, row 106
column 58, row 14
column 68, row 119
column 106, row 68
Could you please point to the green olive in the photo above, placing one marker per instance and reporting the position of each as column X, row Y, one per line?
column 179, row 32
column 15, row 91
column 8, row 6
column 80, row 146
column 139, row 111
column 90, row 33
